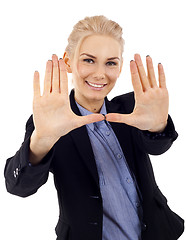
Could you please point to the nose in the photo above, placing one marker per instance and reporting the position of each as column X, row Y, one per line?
column 99, row 73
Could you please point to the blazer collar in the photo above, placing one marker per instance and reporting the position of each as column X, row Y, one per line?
column 110, row 107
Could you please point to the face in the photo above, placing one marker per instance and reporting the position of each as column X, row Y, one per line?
column 98, row 67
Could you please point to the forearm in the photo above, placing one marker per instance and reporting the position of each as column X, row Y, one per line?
column 22, row 179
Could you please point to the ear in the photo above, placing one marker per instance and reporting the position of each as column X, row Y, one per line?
column 67, row 62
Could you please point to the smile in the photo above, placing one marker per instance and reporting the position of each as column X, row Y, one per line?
column 95, row 85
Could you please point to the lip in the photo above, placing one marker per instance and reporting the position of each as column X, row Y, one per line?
column 96, row 88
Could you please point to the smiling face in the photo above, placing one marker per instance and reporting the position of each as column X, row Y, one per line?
column 98, row 66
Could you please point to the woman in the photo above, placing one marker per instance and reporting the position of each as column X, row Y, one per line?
column 98, row 149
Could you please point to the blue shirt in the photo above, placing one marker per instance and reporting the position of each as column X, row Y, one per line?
column 121, row 204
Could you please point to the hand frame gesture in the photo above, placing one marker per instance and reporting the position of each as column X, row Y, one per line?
column 52, row 114
column 151, row 101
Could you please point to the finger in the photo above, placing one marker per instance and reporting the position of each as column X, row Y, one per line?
column 48, row 76
column 36, row 85
column 142, row 73
column 128, row 119
column 55, row 74
column 138, row 89
column 151, row 73
column 162, row 79
column 83, row 120
column 63, row 77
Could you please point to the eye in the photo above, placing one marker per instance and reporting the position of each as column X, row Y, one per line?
column 111, row 63
column 88, row 60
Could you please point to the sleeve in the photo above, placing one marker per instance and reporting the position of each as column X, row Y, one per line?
column 21, row 179
column 156, row 143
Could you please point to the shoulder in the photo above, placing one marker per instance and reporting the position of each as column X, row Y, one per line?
column 126, row 101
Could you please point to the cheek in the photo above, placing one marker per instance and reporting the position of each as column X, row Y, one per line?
column 83, row 70
column 113, row 74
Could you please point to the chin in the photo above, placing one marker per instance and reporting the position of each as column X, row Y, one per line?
column 96, row 95
column 95, row 98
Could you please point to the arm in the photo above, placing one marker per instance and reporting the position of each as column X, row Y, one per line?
column 155, row 143
column 21, row 178
column 52, row 119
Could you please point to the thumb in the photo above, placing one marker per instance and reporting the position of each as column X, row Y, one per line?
column 83, row 120
column 128, row 119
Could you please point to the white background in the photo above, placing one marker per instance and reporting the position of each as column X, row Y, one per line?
column 31, row 31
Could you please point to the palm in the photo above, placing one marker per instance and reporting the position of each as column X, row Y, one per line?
column 151, row 109
column 151, row 101
column 51, row 109
column 52, row 114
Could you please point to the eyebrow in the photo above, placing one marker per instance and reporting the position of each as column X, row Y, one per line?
column 89, row 55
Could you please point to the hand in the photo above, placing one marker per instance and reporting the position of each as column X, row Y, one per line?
column 52, row 114
column 151, row 101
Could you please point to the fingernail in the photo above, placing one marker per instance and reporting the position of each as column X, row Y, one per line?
column 159, row 63
column 131, row 60
column 147, row 56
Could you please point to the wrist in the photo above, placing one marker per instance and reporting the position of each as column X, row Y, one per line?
column 42, row 142
column 159, row 129
column 39, row 147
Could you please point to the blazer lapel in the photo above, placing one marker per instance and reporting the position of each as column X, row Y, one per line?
column 82, row 142
column 123, row 133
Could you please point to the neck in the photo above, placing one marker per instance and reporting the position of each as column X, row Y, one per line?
column 91, row 106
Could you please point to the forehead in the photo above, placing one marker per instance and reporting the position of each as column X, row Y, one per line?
column 100, row 45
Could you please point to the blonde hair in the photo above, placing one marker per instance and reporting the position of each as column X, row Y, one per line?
column 93, row 25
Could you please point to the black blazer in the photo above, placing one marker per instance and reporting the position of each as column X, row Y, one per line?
column 72, row 162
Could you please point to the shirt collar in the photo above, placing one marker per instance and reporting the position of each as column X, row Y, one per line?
column 85, row 112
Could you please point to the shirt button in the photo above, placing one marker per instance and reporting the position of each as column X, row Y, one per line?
column 119, row 155
column 128, row 180
column 137, row 204
column 107, row 133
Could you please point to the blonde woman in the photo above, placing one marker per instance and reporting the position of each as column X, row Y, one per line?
column 98, row 149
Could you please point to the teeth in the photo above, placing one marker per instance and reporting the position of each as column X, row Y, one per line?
column 95, row 85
